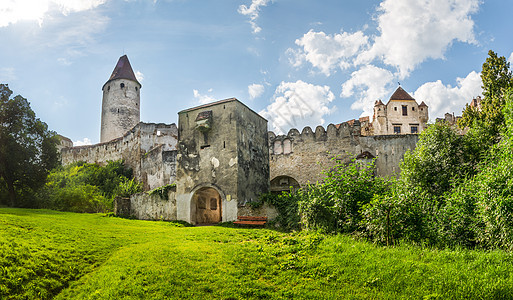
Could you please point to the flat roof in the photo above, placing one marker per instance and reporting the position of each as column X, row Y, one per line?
column 217, row 103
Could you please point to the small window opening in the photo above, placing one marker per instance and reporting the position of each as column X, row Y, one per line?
column 122, row 85
column 136, row 89
column 213, row 204
column 224, row 144
column 202, row 203
column 395, row 108
column 204, row 146
column 405, row 110
column 118, row 110
column 397, row 129
column 108, row 88
column 413, row 108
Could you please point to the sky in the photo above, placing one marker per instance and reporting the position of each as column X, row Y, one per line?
column 296, row 62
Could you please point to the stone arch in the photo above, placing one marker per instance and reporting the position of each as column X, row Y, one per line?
column 206, row 205
column 284, row 183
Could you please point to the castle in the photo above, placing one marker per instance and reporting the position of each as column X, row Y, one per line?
column 221, row 156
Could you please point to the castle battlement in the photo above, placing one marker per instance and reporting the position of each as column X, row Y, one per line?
column 136, row 148
column 222, row 157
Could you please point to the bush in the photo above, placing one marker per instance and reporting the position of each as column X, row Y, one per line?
column 287, row 205
column 128, row 187
column 335, row 205
column 83, row 187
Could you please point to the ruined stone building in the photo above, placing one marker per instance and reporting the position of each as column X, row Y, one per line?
column 221, row 156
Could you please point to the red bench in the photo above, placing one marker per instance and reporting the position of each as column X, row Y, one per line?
column 247, row 220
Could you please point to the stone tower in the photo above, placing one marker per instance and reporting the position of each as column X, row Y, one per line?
column 222, row 161
column 121, row 102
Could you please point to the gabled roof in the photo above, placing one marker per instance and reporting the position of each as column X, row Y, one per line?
column 422, row 104
column 401, row 94
column 123, row 70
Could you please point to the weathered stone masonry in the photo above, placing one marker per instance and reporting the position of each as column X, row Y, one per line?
column 221, row 156
column 299, row 158
column 148, row 148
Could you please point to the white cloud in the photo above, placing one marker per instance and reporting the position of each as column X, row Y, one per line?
column 79, row 31
column 255, row 90
column 139, row 75
column 510, row 59
column 443, row 99
column 370, row 83
column 7, row 75
column 253, row 11
column 327, row 52
column 83, row 142
column 414, row 31
column 64, row 61
column 298, row 104
column 12, row 11
column 203, row 99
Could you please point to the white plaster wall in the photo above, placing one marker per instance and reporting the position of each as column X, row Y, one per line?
column 230, row 210
column 183, row 207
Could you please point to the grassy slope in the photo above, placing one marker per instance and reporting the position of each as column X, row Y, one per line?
column 46, row 253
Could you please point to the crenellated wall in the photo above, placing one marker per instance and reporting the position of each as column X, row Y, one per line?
column 148, row 148
column 303, row 156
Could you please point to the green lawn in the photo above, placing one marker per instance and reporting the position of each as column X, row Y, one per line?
column 47, row 254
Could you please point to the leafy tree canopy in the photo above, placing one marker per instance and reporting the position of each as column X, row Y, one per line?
column 27, row 150
column 497, row 78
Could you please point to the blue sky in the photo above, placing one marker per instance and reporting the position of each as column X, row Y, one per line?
column 297, row 63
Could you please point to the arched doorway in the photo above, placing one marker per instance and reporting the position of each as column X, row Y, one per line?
column 206, row 206
column 284, row 184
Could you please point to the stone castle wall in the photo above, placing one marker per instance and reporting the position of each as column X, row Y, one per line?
column 303, row 156
column 148, row 148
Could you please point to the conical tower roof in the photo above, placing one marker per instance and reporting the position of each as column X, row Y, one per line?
column 401, row 94
column 123, row 70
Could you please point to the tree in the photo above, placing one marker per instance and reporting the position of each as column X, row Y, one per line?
column 497, row 78
column 27, row 149
column 440, row 157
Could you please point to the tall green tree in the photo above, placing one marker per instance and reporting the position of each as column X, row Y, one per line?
column 497, row 79
column 441, row 156
column 27, row 150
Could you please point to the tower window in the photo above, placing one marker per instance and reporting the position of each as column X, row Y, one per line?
column 122, row 85
column 405, row 110
column 108, row 88
column 395, row 108
column 413, row 108
column 135, row 88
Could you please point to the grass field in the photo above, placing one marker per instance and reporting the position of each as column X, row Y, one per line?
column 46, row 254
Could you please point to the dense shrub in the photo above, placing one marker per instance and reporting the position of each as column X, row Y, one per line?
column 335, row 204
column 287, row 205
column 83, row 187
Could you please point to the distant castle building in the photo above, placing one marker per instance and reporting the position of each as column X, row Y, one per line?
column 401, row 115
column 221, row 156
